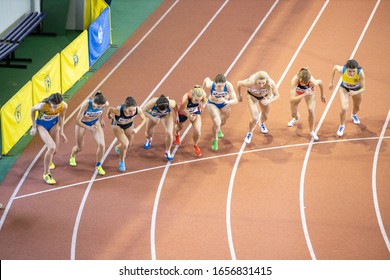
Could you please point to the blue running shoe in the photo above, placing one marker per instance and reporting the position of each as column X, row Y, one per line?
column 122, row 166
column 148, row 143
column 168, row 156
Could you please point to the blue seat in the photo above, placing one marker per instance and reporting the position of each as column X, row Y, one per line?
column 7, row 48
column 10, row 41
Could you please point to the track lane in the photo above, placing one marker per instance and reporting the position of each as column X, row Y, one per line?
column 128, row 198
column 351, row 233
column 221, row 180
column 185, row 9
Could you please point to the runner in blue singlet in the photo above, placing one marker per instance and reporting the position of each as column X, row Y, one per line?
column 160, row 109
column 90, row 118
column 222, row 95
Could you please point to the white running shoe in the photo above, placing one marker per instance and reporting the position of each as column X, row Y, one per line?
column 292, row 122
column 340, row 131
column 314, row 136
column 248, row 137
column 355, row 119
column 263, row 129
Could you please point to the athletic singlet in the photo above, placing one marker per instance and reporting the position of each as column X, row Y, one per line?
column 300, row 89
column 122, row 119
column 92, row 113
column 258, row 93
column 351, row 83
column 155, row 112
column 192, row 108
column 217, row 94
column 48, row 114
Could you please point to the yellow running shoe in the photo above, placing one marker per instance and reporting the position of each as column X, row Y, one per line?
column 72, row 161
column 49, row 179
column 52, row 166
column 100, row 170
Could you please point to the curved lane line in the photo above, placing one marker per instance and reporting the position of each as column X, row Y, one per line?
column 309, row 148
column 27, row 172
column 233, row 174
column 374, row 192
column 13, row 196
column 82, row 204
column 196, row 160
column 162, row 180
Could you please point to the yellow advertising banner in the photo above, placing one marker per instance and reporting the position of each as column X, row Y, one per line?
column 74, row 61
column 47, row 80
column 92, row 9
column 16, row 117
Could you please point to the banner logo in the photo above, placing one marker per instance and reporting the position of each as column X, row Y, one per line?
column 75, row 59
column 100, row 35
column 47, row 82
column 18, row 113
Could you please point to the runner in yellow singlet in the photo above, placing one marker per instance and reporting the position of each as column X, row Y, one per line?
column 50, row 125
column 353, row 84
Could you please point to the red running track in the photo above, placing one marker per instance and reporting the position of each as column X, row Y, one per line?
column 280, row 197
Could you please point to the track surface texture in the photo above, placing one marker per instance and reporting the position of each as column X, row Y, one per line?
column 281, row 197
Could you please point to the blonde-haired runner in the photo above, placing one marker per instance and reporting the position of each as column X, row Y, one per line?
column 302, row 86
column 261, row 92
column 191, row 107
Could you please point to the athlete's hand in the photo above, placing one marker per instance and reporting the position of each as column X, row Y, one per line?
column 63, row 137
column 93, row 127
column 156, row 119
column 265, row 101
column 330, row 86
column 102, row 123
column 33, row 131
column 308, row 92
column 323, row 99
column 226, row 101
column 192, row 117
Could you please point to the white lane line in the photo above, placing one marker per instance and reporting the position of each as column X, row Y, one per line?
column 197, row 160
column 374, row 192
column 12, row 198
column 160, row 186
column 233, row 174
column 235, row 167
column 305, row 162
column 22, row 180
column 84, row 199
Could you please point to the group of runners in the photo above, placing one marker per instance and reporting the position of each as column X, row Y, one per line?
column 48, row 116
